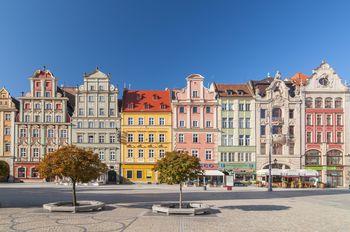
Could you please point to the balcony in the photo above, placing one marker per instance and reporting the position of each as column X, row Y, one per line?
column 277, row 120
column 279, row 138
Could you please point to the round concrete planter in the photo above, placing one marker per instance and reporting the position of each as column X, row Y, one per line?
column 83, row 206
column 188, row 209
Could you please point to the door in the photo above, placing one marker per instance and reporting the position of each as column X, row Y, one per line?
column 112, row 177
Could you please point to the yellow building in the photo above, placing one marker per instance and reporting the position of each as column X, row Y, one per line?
column 145, row 133
column 8, row 110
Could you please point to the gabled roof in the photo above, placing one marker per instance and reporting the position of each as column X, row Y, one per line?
column 96, row 74
column 233, row 90
column 146, row 101
column 299, row 79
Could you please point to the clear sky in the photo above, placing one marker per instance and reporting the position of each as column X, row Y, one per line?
column 153, row 44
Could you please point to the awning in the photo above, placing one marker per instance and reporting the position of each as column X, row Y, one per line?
column 291, row 172
column 288, row 172
column 213, row 173
column 265, row 172
column 309, row 173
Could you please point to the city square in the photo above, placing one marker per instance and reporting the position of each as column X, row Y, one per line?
column 128, row 208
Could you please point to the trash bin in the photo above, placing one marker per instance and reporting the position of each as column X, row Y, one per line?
column 229, row 188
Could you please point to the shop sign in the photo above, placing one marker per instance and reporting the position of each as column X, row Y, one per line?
column 229, row 166
column 209, row 166
column 325, row 168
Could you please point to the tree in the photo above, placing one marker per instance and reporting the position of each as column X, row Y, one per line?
column 4, row 170
column 176, row 168
column 79, row 165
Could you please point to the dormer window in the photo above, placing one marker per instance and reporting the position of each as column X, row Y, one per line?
column 229, row 92
column 240, row 92
column 147, row 106
column 131, row 106
column 163, row 107
column 138, row 97
column 194, row 94
column 155, row 97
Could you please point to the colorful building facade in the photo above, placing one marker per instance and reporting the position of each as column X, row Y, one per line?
column 146, row 133
column 8, row 112
column 326, row 130
column 96, row 122
column 236, row 142
column 43, row 124
column 195, row 121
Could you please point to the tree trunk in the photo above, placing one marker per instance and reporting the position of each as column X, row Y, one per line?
column 180, row 201
column 74, row 194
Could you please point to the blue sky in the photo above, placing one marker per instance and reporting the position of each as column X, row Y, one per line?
column 153, row 44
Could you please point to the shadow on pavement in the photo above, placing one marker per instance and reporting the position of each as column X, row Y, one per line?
column 257, row 207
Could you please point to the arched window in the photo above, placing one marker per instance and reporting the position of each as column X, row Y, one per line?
column 312, row 157
column 277, row 149
column 334, row 157
column 276, row 113
column 308, row 102
column 338, row 103
column 21, row 172
column 328, row 102
column 318, row 102
column 34, row 173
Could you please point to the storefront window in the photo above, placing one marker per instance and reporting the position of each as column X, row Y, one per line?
column 21, row 172
column 335, row 178
column 334, row 157
column 312, row 157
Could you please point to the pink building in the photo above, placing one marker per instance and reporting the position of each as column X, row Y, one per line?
column 195, row 121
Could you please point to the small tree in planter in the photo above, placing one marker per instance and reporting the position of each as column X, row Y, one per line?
column 79, row 165
column 176, row 168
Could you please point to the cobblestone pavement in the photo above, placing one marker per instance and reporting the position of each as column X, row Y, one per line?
column 128, row 209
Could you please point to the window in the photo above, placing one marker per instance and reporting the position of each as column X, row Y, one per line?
column 182, row 124
column 308, row 102
column 277, row 149
column 194, row 153
column 140, row 153
column 50, row 133
column 338, row 103
column 151, row 153
column 247, row 123
column 161, row 138
column 36, row 152
column 91, row 112
column 230, row 122
column 38, row 94
column 63, row 133
column 195, row 138
column 101, row 98
column 37, row 118
column 111, row 98
column 58, row 118
column 80, row 139
column 263, row 148
column 7, row 147
column 22, row 133
column 329, row 137
column 208, row 124
column 312, row 157
column 240, row 123
column 334, row 157
column 91, row 98
column 248, row 157
column 26, row 118
column 328, row 102
column 318, row 102
column 209, row 138
column 224, row 107
column 230, row 140
column 318, row 120
column 151, row 121
column 224, row 122
column 139, row 174
column 101, row 139
column 262, row 113
column 241, row 140
column 291, row 113
column 91, row 139
column 130, row 153
column 339, row 120
column 112, row 138
column 101, row 124
column 37, row 106
column 101, row 155
column 182, row 109
column 23, row 152
column 7, row 131
column 263, row 130
column 161, row 121
column 230, row 106
column 130, row 121
column 112, row 155
column 91, row 124
column 291, row 148
column 102, row 111
column 223, row 157
column 195, row 109
column 111, row 112
column 224, row 140
column 48, row 106
column 111, row 125
column 21, row 172
column 339, row 137
column 194, row 94
column 50, row 150
column 329, row 120
column 140, row 121
column 35, row 133
column 207, row 109
column 319, row 137
column 241, row 107
column 291, row 131
column 240, row 157
column 208, row 154
column 247, row 140
column 195, row 123
column 27, row 106
column 161, row 153
column 81, row 111
column 308, row 120
column 140, row 138
column 48, row 118
column 231, row 157
column 8, row 117
column 308, row 137
column 151, row 138
column 247, row 107
column 101, row 87
column 181, row 138
column 129, row 174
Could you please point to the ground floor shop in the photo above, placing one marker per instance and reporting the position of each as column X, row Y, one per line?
column 239, row 171
column 332, row 176
column 139, row 173
column 26, row 172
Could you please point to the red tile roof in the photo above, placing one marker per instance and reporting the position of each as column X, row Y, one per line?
column 233, row 90
column 299, row 79
column 146, row 101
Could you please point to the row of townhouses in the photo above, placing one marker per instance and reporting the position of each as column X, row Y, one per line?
column 231, row 128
